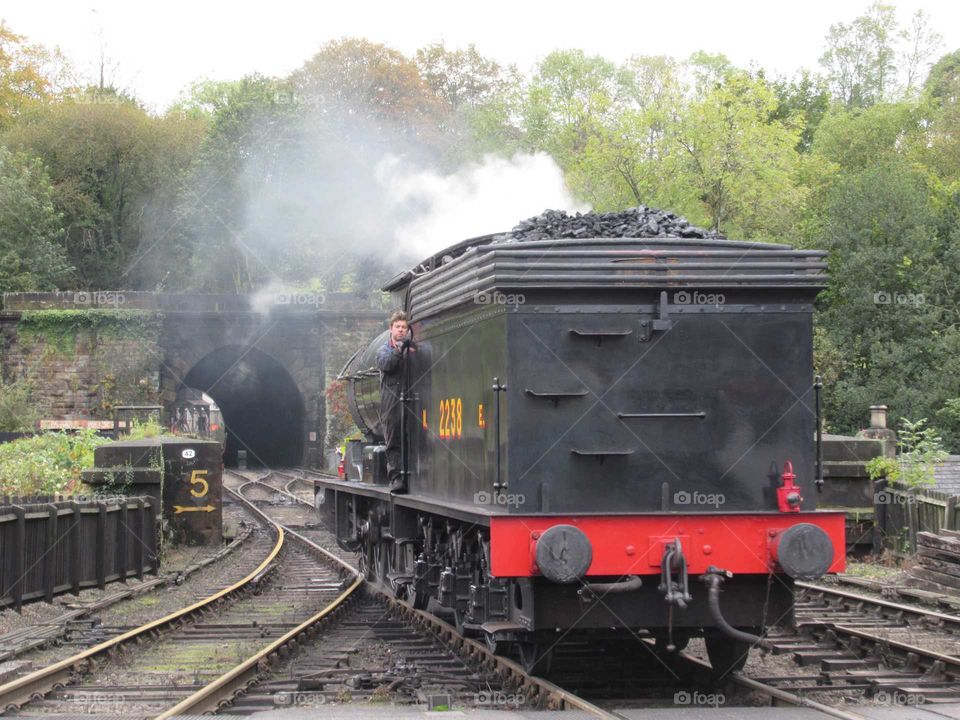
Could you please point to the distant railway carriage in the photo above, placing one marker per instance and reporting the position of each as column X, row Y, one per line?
column 600, row 434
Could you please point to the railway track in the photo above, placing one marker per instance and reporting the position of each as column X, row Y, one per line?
column 188, row 649
column 353, row 646
column 383, row 650
column 856, row 648
column 81, row 624
column 431, row 654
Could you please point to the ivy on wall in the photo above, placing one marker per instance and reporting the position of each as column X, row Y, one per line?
column 94, row 359
column 59, row 329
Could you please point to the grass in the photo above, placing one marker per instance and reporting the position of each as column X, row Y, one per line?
column 50, row 463
column 872, row 570
column 47, row 463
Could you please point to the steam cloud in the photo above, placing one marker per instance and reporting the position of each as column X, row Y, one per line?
column 436, row 210
column 322, row 188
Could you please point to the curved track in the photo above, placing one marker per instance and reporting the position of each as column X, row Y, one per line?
column 854, row 638
column 151, row 678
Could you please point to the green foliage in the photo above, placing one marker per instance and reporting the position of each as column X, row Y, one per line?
column 943, row 83
column 114, row 171
column 59, row 328
column 806, row 97
column 861, row 138
column 18, row 409
column 860, row 58
column 891, row 303
column 740, row 161
column 47, row 463
column 920, row 450
column 31, row 230
column 144, row 429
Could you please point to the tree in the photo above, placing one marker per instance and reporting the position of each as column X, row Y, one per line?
column 943, row 82
column 740, row 161
column 113, row 168
column 860, row 59
column 28, row 74
column 483, row 100
column 371, row 89
column 31, row 231
column 862, row 137
column 706, row 72
column 460, row 77
column 628, row 157
column 247, row 141
column 892, row 303
column 922, row 43
column 806, row 96
column 570, row 95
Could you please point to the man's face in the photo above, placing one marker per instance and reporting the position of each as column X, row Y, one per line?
column 398, row 331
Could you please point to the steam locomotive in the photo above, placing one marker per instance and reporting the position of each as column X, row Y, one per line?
column 600, row 435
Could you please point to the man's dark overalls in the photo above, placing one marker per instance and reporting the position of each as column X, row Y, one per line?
column 391, row 360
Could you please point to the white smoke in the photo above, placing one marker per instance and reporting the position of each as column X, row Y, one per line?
column 480, row 198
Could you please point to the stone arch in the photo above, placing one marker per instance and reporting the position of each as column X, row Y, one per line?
column 263, row 407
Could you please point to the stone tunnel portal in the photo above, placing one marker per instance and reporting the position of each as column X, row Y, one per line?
column 263, row 411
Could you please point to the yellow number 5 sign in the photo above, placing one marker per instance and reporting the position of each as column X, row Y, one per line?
column 196, row 479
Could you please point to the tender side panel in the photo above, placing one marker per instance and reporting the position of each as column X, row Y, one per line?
column 452, row 412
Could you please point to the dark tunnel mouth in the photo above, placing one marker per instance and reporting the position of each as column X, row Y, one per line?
column 262, row 407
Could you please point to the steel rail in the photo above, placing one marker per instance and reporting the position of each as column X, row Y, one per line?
column 38, row 683
column 220, row 691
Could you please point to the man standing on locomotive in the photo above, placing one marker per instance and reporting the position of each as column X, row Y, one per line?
column 391, row 359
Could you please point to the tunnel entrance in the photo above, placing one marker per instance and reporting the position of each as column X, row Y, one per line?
column 261, row 405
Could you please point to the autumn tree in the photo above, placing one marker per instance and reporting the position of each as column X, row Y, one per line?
column 483, row 99
column 29, row 74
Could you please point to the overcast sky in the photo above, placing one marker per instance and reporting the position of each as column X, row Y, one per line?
column 158, row 48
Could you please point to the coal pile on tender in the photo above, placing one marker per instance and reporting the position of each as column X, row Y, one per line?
column 638, row 222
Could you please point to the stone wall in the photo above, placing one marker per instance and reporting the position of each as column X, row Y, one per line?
column 88, row 352
column 82, row 363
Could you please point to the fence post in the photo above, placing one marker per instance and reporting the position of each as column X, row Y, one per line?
column 152, row 533
column 949, row 519
column 913, row 517
column 879, row 517
column 138, row 553
column 101, row 544
column 76, row 537
column 19, row 556
column 123, row 538
column 49, row 554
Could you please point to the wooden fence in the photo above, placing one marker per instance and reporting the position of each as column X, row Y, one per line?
column 50, row 546
column 902, row 512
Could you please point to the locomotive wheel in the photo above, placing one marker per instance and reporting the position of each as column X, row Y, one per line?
column 726, row 655
column 497, row 647
column 536, row 657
